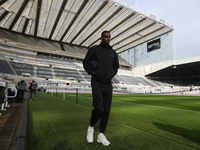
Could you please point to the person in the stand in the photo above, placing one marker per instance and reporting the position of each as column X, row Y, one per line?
column 21, row 87
column 33, row 89
column 42, row 89
column 101, row 61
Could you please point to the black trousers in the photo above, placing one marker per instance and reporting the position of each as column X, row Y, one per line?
column 102, row 98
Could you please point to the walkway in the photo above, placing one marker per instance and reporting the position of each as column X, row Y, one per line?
column 10, row 122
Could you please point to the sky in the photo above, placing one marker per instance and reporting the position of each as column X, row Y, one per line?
column 184, row 15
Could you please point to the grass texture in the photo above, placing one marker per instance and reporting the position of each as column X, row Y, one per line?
column 139, row 122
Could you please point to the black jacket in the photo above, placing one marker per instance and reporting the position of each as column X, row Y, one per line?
column 21, row 85
column 107, row 60
column 33, row 86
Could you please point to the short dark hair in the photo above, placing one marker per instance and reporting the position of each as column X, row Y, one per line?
column 104, row 32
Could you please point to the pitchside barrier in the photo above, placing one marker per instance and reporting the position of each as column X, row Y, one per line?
column 56, row 91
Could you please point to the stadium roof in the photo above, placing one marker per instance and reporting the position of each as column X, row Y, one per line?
column 80, row 22
column 173, row 69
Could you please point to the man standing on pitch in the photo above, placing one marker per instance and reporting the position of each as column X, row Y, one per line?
column 101, row 61
column 33, row 88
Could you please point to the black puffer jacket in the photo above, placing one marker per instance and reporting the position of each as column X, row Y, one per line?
column 21, row 85
column 107, row 60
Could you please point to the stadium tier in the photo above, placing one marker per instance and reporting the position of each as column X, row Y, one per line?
column 58, row 61
column 55, row 73
column 30, row 45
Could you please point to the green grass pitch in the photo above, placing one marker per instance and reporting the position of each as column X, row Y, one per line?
column 137, row 122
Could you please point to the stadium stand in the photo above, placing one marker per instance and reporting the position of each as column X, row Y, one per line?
column 21, row 68
column 85, row 76
column 5, row 67
column 47, row 61
column 72, row 72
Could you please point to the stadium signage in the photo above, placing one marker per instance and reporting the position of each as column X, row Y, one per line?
column 153, row 45
column 58, row 78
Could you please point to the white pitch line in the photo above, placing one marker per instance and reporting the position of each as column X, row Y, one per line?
column 159, row 107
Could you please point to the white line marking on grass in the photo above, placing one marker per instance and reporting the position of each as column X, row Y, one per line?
column 158, row 106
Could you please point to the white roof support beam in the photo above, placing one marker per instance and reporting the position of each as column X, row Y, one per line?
column 97, row 22
column 132, row 31
column 32, row 14
column 80, row 22
column 117, row 19
column 137, row 35
column 13, row 7
column 66, row 17
column 90, row 8
column 144, row 39
column 77, row 8
column 25, row 15
column 55, row 7
column 45, row 10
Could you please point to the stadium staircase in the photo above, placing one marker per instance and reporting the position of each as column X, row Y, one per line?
column 12, row 68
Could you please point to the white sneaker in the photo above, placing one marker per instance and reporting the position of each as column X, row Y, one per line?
column 102, row 139
column 90, row 133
